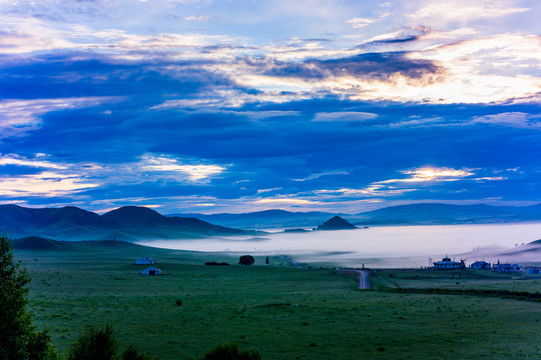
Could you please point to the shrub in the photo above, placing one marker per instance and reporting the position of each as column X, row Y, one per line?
column 132, row 353
column 230, row 351
column 246, row 260
column 95, row 343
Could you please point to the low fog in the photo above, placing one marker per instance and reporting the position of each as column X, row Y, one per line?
column 392, row 246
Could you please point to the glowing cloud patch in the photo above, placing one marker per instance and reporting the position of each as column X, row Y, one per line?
column 169, row 165
column 430, row 174
column 46, row 184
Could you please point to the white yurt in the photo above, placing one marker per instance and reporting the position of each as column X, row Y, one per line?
column 151, row 271
column 145, row 260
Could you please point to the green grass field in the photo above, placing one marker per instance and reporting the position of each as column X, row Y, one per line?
column 282, row 311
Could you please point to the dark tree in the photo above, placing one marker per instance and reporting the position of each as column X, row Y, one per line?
column 19, row 338
column 231, row 352
column 267, row 261
column 246, row 260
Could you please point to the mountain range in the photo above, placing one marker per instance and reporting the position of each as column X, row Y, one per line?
column 413, row 214
column 132, row 223
column 126, row 223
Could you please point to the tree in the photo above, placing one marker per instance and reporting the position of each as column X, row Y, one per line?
column 246, row 260
column 231, row 351
column 19, row 338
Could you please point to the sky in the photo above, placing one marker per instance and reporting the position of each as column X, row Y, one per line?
column 208, row 106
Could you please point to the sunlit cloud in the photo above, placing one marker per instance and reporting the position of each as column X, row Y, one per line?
column 165, row 164
column 14, row 159
column 45, row 184
column 430, row 174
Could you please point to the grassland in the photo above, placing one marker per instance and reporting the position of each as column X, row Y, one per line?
column 282, row 311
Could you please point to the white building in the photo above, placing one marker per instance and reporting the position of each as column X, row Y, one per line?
column 447, row 263
column 145, row 261
column 151, row 271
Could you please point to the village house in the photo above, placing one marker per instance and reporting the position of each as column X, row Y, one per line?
column 507, row 268
column 446, row 263
column 480, row 265
column 533, row 270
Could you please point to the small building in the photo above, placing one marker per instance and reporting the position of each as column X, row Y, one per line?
column 151, row 271
column 145, row 260
column 446, row 263
column 507, row 268
column 480, row 265
column 533, row 270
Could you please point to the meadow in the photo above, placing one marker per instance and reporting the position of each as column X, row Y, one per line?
column 282, row 311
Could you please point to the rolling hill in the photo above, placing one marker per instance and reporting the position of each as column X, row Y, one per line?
column 127, row 223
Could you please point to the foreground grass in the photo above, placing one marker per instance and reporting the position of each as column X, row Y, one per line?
column 281, row 311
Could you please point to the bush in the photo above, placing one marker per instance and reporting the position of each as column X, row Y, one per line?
column 132, row 353
column 230, row 351
column 95, row 344
column 246, row 260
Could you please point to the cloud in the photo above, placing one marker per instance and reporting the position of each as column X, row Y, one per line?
column 431, row 174
column 463, row 11
column 345, row 116
column 360, row 23
column 510, row 119
column 45, row 184
column 318, row 175
column 167, row 165
column 285, row 201
column 198, row 18
column 19, row 116
column 14, row 159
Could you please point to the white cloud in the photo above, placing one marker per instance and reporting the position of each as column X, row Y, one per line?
column 463, row 11
column 510, row 119
column 198, row 18
column 344, row 116
column 14, row 159
column 17, row 117
column 179, row 171
column 360, row 23
column 428, row 174
column 45, row 184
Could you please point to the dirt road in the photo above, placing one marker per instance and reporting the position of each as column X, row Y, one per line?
column 364, row 277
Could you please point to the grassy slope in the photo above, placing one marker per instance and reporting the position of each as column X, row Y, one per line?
column 284, row 312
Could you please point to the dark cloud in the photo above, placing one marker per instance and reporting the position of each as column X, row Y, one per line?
column 381, row 66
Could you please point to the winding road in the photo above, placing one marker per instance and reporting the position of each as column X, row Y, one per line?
column 364, row 277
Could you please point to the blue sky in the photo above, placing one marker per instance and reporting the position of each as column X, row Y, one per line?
column 237, row 106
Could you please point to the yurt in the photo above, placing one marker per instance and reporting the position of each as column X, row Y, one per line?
column 145, row 260
column 151, row 271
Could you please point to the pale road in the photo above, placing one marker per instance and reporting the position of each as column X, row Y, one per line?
column 364, row 277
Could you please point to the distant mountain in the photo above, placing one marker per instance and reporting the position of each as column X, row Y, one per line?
column 436, row 213
column 336, row 223
column 413, row 214
column 129, row 223
column 267, row 219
